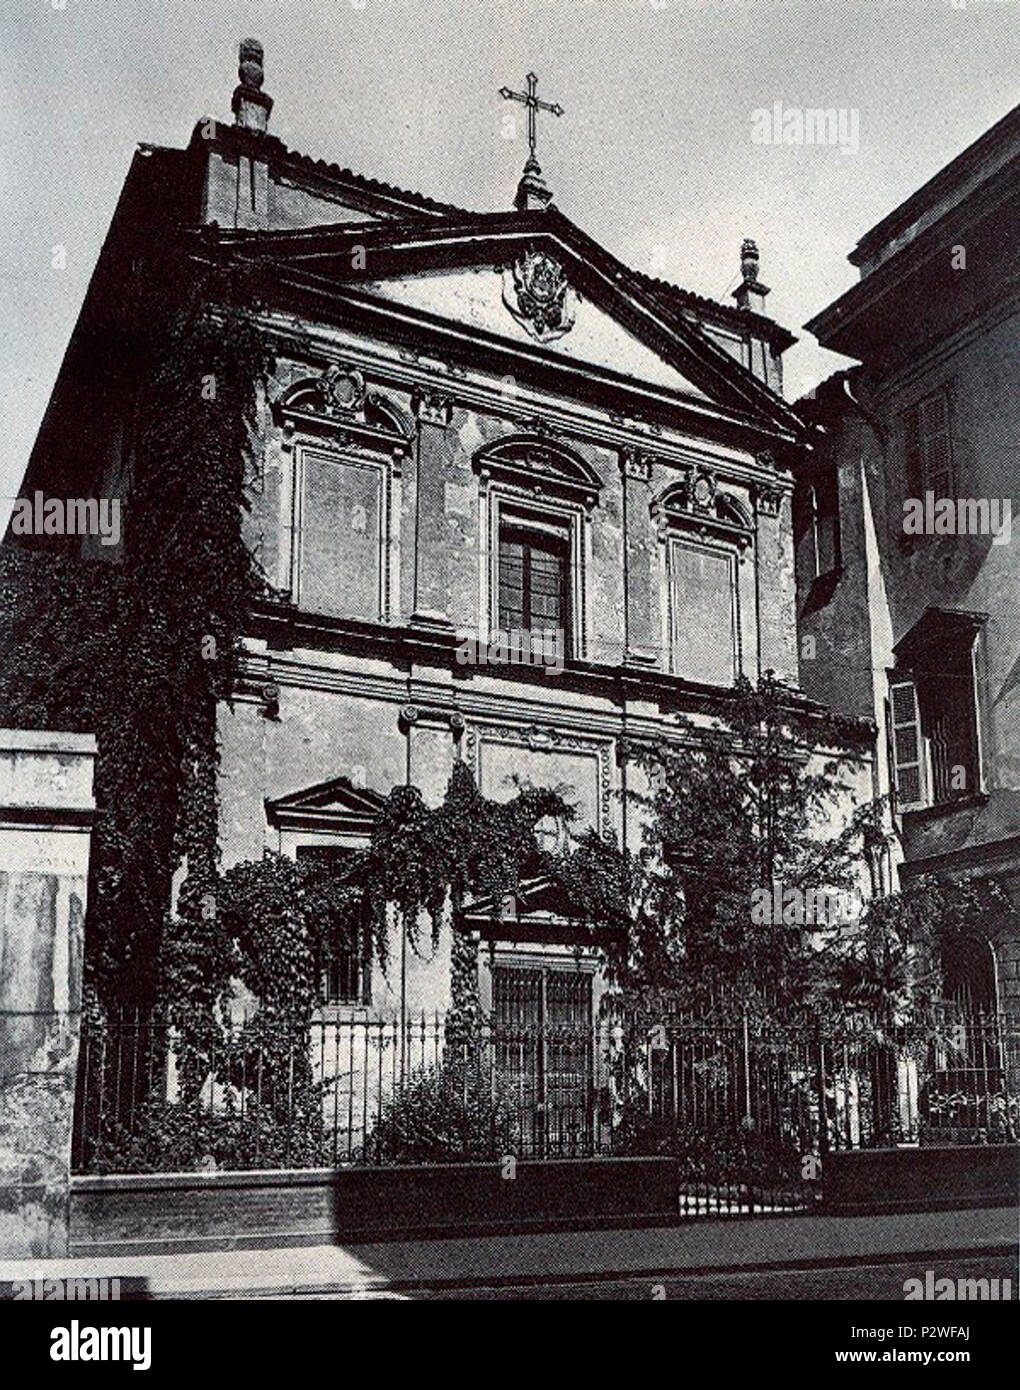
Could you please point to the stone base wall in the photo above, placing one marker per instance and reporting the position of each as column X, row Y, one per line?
column 147, row 1213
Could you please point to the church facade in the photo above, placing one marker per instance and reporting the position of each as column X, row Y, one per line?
column 516, row 503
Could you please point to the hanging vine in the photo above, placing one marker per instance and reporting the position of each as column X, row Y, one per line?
column 139, row 653
column 282, row 917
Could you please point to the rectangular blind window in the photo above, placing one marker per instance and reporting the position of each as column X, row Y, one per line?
column 341, row 516
column 816, row 531
column 827, row 546
column 704, row 634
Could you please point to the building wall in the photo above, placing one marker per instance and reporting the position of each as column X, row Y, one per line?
column 341, row 712
column 889, row 579
column 981, row 370
column 46, row 812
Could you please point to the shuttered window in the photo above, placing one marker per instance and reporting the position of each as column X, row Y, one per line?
column 934, row 713
column 907, row 744
column 928, row 448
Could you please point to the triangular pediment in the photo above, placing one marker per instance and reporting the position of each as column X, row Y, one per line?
column 336, row 804
column 521, row 283
column 480, row 299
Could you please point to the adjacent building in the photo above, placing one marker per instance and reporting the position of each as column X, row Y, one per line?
column 908, row 574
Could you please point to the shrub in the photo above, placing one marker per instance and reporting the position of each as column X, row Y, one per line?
column 443, row 1116
column 166, row 1137
column 716, row 1156
column 959, row 1117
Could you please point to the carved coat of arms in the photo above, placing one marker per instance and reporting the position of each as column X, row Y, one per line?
column 340, row 391
column 538, row 294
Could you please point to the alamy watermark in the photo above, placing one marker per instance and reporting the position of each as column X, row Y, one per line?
column 960, row 1290
column 516, row 647
column 784, row 905
column 78, row 1343
column 72, row 516
column 830, row 126
column 959, row 516
column 60, row 1290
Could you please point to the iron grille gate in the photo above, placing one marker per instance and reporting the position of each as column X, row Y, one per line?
column 545, row 1054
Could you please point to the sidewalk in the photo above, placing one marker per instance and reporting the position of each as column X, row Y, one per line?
column 697, row 1247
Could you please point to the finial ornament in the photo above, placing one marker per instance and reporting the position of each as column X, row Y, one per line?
column 749, row 259
column 250, row 69
column 251, row 105
column 751, row 292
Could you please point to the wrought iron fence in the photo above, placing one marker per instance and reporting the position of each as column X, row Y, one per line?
column 970, row 1091
column 748, row 1110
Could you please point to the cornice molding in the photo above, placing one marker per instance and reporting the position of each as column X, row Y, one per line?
column 408, row 323
column 521, row 700
column 399, row 371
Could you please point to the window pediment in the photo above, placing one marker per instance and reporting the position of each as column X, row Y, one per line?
column 696, row 501
column 337, row 805
column 338, row 399
column 541, row 467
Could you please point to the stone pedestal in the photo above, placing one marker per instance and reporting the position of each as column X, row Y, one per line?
column 46, row 812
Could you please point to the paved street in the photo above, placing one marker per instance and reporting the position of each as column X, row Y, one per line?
column 784, row 1257
column 871, row 1281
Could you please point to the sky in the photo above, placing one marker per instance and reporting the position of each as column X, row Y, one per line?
column 654, row 156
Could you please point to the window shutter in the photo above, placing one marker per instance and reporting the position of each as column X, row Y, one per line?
column 978, row 744
column 938, row 459
column 907, row 744
column 914, row 471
